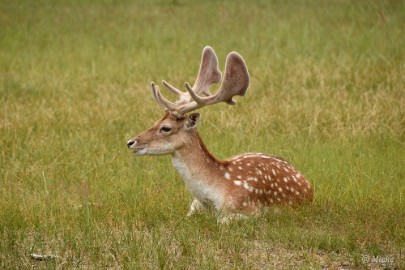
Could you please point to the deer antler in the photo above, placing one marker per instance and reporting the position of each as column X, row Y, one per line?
column 235, row 82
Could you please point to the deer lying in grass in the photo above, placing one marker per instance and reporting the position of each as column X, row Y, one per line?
column 235, row 187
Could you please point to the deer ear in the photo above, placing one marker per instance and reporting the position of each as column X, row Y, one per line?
column 192, row 120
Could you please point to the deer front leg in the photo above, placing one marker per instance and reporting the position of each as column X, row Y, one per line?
column 196, row 206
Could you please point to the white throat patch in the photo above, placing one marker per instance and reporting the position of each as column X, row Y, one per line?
column 199, row 188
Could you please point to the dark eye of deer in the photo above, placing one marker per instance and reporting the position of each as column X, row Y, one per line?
column 165, row 129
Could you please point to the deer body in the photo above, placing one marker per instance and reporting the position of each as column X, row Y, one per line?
column 241, row 185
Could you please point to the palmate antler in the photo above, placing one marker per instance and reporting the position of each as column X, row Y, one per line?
column 235, row 82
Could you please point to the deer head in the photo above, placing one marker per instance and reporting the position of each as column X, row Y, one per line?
column 176, row 127
column 166, row 136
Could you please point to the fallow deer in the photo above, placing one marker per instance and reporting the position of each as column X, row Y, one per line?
column 235, row 187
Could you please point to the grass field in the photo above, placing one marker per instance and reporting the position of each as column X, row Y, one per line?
column 327, row 93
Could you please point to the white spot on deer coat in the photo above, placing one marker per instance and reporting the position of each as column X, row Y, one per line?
column 246, row 186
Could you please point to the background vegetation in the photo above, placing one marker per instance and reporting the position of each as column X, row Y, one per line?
column 326, row 93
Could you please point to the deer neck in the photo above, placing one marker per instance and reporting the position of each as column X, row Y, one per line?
column 200, row 170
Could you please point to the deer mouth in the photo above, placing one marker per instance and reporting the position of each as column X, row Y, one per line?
column 140, row 151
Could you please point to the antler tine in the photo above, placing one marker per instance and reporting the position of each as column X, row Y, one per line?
column 176, row 91
column 161, row 100
column 182, row 97
column 236, row 82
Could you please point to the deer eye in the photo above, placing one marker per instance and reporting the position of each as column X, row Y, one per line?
column 165, row 129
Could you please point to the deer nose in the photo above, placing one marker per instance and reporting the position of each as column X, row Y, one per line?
column 130, row 143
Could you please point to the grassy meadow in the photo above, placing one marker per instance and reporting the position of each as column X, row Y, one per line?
column 327, row 93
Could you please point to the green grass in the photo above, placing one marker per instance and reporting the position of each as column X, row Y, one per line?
column 327, row 93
